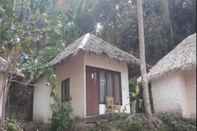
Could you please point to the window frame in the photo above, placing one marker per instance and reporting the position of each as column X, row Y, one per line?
column 65, row 98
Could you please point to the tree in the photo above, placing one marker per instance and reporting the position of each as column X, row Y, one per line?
column 22, row 32
column 143, row 59
column 10, row 45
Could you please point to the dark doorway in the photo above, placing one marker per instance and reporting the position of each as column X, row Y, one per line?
column 20, row 102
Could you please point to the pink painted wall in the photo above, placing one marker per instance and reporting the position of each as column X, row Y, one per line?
column 175, row 93
column 73, row 68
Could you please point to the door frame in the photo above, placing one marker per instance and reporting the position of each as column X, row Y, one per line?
column 97, row 69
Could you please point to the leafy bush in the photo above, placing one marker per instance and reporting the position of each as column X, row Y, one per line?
column 62, row 117
column 138, row 122
column 12, row 125
column 176, row 123
column 130, row 123
column 136, row 98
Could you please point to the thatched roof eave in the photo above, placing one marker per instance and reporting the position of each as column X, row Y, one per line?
column 182, row 58
column 93, row 44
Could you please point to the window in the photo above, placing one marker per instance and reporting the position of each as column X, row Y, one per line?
column 110, row 86
column 117, row 89
column 103, row 85
column 65, row 90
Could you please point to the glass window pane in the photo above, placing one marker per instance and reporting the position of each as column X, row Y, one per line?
column 117, row 89
column 102, row 87
column 109, row 85
column 66, row 90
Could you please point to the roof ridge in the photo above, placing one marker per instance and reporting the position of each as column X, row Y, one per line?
column 84, row 41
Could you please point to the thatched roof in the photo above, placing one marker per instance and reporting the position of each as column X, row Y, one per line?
column 94, row 44
column 3, row 64
column 183, row 57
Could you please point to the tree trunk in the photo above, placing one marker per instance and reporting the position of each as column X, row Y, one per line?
column 146, row 96
column 3, row 96
column 167, row 18
column 7, row 76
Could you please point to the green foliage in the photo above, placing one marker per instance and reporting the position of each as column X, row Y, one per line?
column 12, row 125
column 138, row 122
column 54, row 29
column 135, row 93
column 131, row 123
column 12, row 31
column 175, row 123
column 62, row 116
column 116, row 122
column 134, row 89
column 34, row 32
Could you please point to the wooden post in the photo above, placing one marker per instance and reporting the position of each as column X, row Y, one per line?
column 146, row 96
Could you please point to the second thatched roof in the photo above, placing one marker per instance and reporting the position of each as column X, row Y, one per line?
column 183, row 57
column 94, row 44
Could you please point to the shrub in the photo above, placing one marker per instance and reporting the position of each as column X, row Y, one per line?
column 138, row 122
column 62, row 117
column 12, row 125
column 136, row 98
column 176, row 123
column 131, row 123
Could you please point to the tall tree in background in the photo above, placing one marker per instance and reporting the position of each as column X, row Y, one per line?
column 143, row 59
column 166, row 16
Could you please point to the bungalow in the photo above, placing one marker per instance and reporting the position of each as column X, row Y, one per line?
column 173, row 80
column 89, row 71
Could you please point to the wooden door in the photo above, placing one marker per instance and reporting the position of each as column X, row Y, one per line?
column 92, row 91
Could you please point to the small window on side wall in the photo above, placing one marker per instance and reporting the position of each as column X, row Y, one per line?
column 65, row 89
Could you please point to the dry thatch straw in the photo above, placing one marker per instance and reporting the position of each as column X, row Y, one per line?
column 93, row 44
column 183, row 57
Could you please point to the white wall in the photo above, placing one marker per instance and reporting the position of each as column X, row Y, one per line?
column 42, row 101
column 190, row 80
column 104, row 62
column 169, row 94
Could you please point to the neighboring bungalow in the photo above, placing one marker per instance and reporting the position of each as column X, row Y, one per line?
column 173, row 80
column 89, row 70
